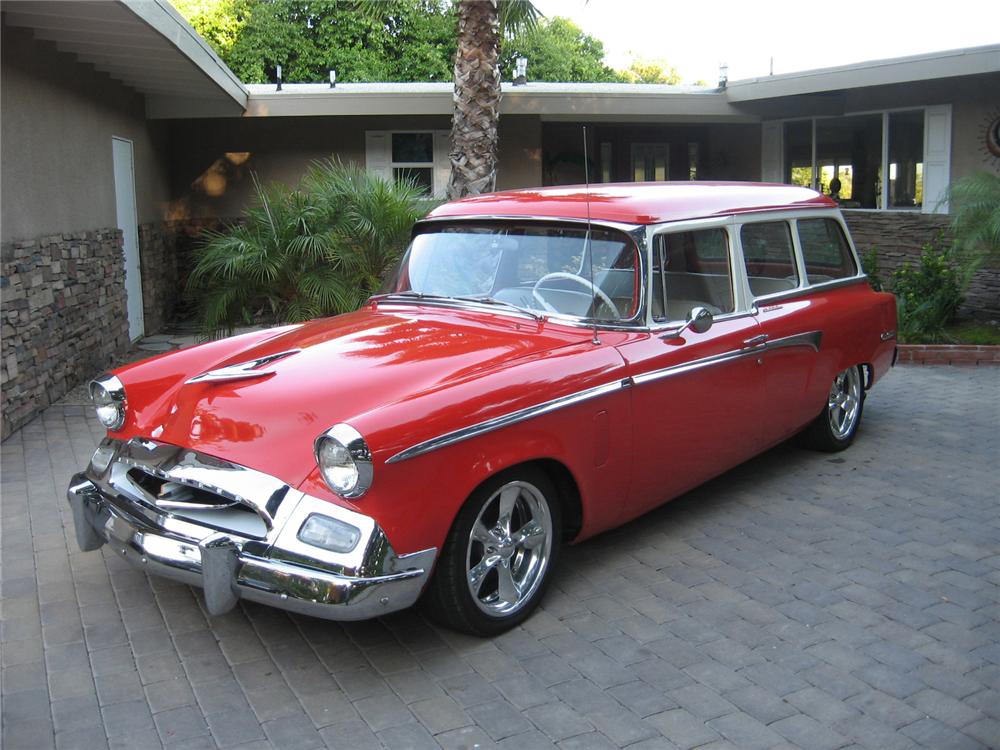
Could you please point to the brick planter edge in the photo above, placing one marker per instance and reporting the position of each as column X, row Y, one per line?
column 948, row 354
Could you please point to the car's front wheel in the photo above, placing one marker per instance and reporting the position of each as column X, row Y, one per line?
column 837, row 424
column 498, row 556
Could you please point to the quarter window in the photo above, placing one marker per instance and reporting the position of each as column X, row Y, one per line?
column 692, row 270
column 825, row 250
column 769, row 257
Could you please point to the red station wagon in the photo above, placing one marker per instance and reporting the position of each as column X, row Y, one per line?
column 517, row 387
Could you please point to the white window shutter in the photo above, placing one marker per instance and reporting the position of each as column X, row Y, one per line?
column 770, row 152
column 377, row 153
column 442, row 162
column 937, row 158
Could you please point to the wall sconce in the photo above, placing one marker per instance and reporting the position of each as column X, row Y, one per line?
column 723, row 75
column 520, row 71
column 278, row 73
column 333, row 78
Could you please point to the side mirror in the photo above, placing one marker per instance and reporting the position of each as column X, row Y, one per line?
column 699, row 320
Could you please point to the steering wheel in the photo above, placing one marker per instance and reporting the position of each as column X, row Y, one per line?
column 591, row 287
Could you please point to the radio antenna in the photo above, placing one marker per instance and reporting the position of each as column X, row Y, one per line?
column 588, row 246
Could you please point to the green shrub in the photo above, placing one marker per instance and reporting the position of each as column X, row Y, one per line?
column 928, row 295
column 321, row 248
column 870, row 265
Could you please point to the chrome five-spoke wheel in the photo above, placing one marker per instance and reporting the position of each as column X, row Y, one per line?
column 499, row 553
column 844, row 403
column 837, row 424
column 509, row 548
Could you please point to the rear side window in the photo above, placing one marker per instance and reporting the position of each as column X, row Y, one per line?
column 769, row 257
column 825, row 250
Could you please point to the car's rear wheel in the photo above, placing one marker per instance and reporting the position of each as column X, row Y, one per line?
column 498, row 556
column 836, row 426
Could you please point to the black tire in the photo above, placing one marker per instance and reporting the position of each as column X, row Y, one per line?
column 834, row 429
column 449, row 598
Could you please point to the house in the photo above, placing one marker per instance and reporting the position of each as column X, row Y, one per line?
column 123, row 135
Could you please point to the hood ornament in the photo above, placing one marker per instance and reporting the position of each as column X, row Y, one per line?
column 243, row 370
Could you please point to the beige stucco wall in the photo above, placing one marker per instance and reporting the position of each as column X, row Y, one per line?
column 58, row 119
column 212, row 160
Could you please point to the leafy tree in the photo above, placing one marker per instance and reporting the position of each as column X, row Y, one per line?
column 390, row 40
column 651, row 71
column 557, row 50
column 299, row 253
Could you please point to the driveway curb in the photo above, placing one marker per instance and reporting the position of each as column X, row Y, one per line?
column 948, row 354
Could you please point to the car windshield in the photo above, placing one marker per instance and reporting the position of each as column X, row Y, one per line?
column 542, row 268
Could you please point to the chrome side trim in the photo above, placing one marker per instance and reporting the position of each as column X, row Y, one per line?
column 243, row 370
column 697, row 364
column 811, row 339
column 481, row 428
column 886, row 335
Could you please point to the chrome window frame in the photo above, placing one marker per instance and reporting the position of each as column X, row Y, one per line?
column 804, row 287
column 745, row 303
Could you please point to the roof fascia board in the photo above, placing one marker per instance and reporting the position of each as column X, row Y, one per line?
column 962, row 62
column 162, row 17
column 288, row 103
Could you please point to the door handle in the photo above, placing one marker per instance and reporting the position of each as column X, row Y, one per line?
column 756, row 341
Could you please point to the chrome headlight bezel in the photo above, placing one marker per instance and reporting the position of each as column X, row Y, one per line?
column 351, row 440
column 108, row 392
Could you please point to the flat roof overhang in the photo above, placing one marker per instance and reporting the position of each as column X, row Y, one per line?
column 926, row 67
column 551, row 101
column 144, row 44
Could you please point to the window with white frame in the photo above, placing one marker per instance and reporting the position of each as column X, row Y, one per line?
column 417, row 156
column 895, row 159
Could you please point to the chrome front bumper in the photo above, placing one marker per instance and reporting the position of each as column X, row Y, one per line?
column 260, row 557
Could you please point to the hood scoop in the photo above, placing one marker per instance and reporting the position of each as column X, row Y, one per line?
column 243, row 370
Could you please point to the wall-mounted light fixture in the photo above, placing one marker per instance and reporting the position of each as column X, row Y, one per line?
column 723, row 75
column 333, row 78
column 520, row 71
column 278, row 73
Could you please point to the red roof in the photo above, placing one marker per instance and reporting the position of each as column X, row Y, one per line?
column 639, row 202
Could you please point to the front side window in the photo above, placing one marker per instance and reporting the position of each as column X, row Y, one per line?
column 769, row 257
column 550, row 269
column 692, row 269
column 825, row 250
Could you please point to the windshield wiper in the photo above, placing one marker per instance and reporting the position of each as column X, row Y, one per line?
column 503, row 303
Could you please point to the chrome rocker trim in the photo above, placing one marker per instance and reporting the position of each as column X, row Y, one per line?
column 275, row 568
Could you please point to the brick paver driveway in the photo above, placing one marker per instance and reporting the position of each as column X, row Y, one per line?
column 801, row 600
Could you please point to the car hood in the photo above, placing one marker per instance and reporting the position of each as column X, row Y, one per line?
column 335, row 370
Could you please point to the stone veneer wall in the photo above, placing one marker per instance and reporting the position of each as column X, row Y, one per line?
column 158, row 261
column 63, row 317
column 899, row 236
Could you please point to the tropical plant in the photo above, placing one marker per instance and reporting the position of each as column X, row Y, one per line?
column 927, row 296
column 299, row 253
column 975, row 224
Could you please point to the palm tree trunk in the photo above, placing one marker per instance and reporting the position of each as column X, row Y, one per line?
column 474, row 136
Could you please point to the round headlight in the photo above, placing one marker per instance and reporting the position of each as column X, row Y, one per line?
column 344, row 460
column 108, row 395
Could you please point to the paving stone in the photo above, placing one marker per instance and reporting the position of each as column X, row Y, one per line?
column 498, row 719
column 178, row 724
column 745, row 732
column 440, row 714
column 234, row 728
column 294, row 732
column 383, row 711
column 805, row 731
column 682, row 728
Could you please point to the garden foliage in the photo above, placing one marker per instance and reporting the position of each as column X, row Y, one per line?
column 318, row 249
